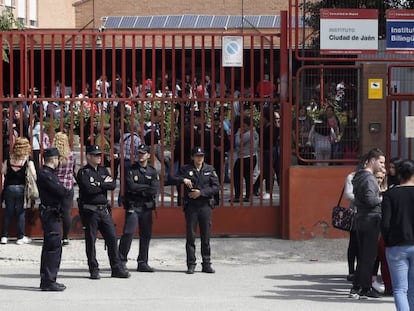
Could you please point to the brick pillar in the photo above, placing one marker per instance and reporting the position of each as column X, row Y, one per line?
column 373, row 111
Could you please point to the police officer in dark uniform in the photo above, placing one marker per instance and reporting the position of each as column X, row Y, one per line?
column 94, row 181
column 141, row 187
column 201, row 184
column 51, row 193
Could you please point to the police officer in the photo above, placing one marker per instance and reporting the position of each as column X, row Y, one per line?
column 201, row 184
column 94, row 181
column 141, row 187
column 51, row 193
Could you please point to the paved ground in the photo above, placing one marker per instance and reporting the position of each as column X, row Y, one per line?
column 252, row 274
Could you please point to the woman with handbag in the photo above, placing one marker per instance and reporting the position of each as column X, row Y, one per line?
column 14, row 173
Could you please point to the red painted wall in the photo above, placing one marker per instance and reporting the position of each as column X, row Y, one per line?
column 314, row 191
column 169, row 222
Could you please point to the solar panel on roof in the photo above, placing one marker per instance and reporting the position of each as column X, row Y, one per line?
column 173, row 21
column 251, row 20
column 195, row 21
column 277, row 21
column 127, row 22
column 188, row 21
column 204, row 21
column 266, row 21
column 158, row 22
column 219, row 21
column 235, row 21
column 142, row 21
column 112, row 22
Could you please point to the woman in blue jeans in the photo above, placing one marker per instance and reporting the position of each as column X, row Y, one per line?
column 14, row 174
column 398, row 233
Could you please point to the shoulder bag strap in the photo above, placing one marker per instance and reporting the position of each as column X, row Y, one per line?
column 340, row 197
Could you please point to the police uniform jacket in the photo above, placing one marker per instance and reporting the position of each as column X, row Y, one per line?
column 205, row 180
column 51, row 191
column 92, row 187
column 142, row 183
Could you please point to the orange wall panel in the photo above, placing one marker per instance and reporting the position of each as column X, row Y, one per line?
column 313, row 192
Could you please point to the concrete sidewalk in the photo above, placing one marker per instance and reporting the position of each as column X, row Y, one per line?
column 251, row 274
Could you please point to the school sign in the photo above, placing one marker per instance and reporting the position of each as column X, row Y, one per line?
column 349, row 31
column 400, row 31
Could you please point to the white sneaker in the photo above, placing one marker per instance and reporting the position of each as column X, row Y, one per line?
column 378, row 286
column 4, row 240
column 266, row 196
column 24, row 240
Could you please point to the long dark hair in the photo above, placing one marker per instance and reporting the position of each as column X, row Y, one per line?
column 406, row 170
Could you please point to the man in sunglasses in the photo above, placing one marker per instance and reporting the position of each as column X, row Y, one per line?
column 141, row 187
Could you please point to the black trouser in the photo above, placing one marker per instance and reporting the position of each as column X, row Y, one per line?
column 218, row 165
column 100, row 220
column 247, row 174
column 66, row 205
column 52, row 247
column 352, row 252
column 200, row 215
column 367, row 229
column 144, row 220
column 267, row 171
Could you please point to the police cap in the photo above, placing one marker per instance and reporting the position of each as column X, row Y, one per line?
column 93, row 149
column 143, row 148
column 197, row 151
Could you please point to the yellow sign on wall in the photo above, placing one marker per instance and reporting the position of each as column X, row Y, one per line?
column 375, row 88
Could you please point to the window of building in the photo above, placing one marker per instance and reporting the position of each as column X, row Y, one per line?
column 33, row 11
column 33, row 23
column 21, row 9
column 10, row 3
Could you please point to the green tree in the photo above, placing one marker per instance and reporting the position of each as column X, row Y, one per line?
column 8, row 22
column 311, row 10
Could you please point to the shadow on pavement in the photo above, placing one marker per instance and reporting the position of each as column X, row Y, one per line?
column 323, row 288
column 14, row 287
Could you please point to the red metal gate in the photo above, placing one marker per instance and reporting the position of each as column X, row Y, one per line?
column 95, row 86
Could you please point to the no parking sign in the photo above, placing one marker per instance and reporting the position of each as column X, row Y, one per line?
column 232, row 54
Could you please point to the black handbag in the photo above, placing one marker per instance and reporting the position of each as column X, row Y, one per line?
column 342, row 217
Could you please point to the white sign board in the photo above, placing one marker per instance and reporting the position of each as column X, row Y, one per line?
column 232, row 51
column 409, row 127
column 349, row 31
